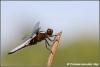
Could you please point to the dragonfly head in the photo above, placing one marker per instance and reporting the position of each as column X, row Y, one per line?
column 49, row 32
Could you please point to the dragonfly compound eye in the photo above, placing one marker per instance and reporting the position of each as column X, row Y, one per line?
column 49, row 31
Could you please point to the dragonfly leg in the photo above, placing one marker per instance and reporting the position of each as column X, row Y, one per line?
column 53, row 35
column 47, row 42
column 46, row 45
column 50, row 39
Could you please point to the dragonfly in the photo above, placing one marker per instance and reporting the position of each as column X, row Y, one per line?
column 36, row 36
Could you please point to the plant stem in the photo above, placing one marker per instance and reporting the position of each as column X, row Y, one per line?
column 54, row 47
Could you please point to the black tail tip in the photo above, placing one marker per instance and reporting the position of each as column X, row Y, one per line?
column 10, row 53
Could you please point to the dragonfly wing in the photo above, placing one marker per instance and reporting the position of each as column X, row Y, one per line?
column 36, row 28
column 20, row 46
column 27, row 36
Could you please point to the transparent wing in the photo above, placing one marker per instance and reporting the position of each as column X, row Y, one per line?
column 20, row 46
column 27, row 36
column 35, row 29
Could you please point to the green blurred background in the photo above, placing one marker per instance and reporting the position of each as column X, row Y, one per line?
column 81, row 50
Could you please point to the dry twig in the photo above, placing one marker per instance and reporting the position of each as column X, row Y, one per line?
column 54, row 47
